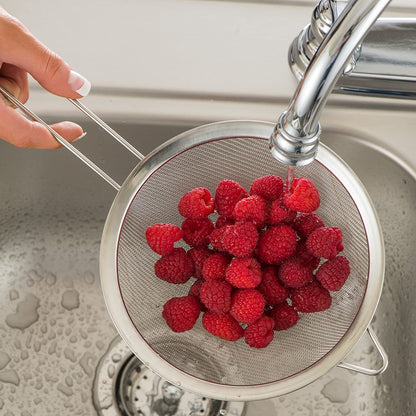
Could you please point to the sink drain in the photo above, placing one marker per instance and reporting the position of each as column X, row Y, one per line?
column 124, row 386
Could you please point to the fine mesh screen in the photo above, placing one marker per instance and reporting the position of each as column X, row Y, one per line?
column 197, row 352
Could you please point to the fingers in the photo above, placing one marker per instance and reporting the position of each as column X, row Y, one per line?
column 20, row 48
column 14, row 80
column 22, row 53
column 21, row 132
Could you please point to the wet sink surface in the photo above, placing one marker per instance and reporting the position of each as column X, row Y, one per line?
column 54, row 327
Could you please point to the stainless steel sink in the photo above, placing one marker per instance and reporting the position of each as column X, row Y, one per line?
column 54, row 328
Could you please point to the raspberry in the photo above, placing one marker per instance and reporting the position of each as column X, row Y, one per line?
column 306, row 223
column 307, row 258
column 196, row 232
column 279, row 214
column 294, row 273
column 222, row 222
column 161, row 237
column 198, row 257
column 196, row 203
column 176, row 267
column 325, row 242
column 240, row 239
column 302, row 196
column 215, row 266
column 243, row 273
column 222, row 325
column 216, row 237
column 253, row 209
column 270, row 287
column 216, row 295
column 284, row 315
column 269, row 187
column 260, row 334
column 181, row 313
column 195, row 289
column 333, row 273
column 311, row 298
column 247, row 305
column 276, row 244
column 227, row 194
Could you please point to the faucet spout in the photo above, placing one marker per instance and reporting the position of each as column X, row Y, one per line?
column 295, row 138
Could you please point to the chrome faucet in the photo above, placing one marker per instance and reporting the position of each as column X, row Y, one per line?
column 347, row 49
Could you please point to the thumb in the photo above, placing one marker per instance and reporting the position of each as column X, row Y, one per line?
column 19, row 47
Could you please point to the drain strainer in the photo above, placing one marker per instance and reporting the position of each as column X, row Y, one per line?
column 124, row 386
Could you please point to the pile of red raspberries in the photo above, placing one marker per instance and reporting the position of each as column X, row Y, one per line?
column 267, row 258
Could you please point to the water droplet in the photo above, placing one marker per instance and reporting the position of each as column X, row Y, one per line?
column 70, row 355
column 89, row 277
column 65, row 390
column 100, row 345
column 344, row 410
column 26, row 313
column 84, row 362
column 111, row 370
column 116, row 357
column 50, row 279
column 9, row 376
column 70, row 299
column 106, row 402
column 36, row 346
column 369, row 349
column 4, row 360
column 13, row 294
column 336, row 391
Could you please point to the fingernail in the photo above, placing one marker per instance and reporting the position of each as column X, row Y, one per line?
column 78, row 83
column 80, row 137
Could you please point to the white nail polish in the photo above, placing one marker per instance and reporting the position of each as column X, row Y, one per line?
column 80, row 137
column 79, row 84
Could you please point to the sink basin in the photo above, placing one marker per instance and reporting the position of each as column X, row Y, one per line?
column 54, row 328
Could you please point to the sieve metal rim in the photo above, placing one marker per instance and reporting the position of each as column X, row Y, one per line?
column 139, row 346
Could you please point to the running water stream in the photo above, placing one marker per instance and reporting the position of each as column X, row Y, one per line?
column 290, row 176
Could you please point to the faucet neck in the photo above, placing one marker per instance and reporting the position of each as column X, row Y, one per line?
column 299, row 125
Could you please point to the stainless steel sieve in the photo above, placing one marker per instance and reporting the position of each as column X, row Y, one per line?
column 196, row 360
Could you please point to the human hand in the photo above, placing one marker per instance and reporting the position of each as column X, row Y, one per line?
column 21, row 53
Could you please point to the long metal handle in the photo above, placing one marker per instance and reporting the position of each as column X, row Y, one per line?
column 68, row 145
column 106, row 127
column 365, row 370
